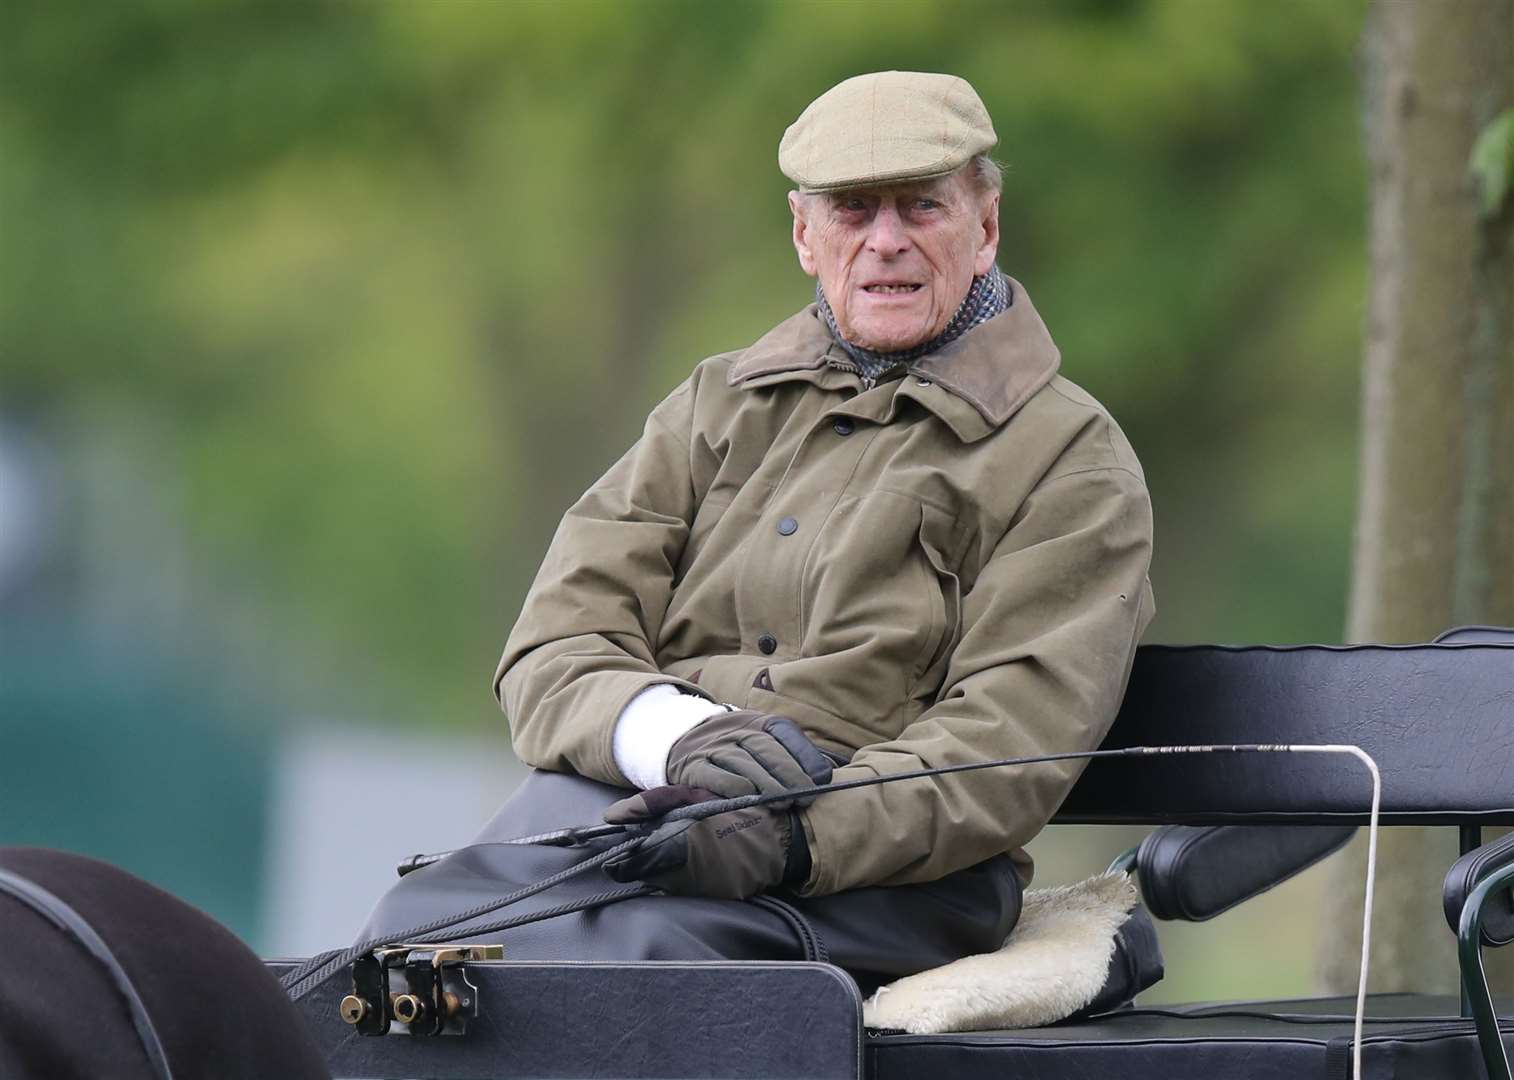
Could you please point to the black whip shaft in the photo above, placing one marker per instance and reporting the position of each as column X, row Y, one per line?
column 700, row 811
column 574, row 835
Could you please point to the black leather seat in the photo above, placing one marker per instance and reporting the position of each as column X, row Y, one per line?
column 1291, row 813
column 1275, row 1040
column 1287, row 815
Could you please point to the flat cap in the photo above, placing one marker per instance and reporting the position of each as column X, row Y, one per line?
column 885, row 127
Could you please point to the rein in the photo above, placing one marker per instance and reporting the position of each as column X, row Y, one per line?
column 305, row 978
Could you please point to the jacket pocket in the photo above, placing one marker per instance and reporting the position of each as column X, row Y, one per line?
column 945, row 598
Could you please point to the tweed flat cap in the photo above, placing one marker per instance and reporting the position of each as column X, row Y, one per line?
column 885, row 127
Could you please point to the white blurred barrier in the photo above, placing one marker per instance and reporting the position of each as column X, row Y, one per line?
column 347, row 804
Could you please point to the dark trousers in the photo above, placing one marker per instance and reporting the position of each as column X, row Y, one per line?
column 877, row 934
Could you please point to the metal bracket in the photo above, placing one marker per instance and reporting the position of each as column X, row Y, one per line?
column 438, row 997
column 1474, row 979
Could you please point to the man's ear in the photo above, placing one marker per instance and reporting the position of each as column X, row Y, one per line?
column 988, row 250
column 798, row 207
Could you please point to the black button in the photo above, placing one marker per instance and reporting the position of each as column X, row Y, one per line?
column 844, row 425
column 768, row 644
column 788, row 527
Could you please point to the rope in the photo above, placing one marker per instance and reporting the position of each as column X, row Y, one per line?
column 811, row 942
column 611, row 896
column 1372, row 822
column 318, row 969
column 720, row 806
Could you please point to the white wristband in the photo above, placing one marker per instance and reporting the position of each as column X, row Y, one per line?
column 650, row 724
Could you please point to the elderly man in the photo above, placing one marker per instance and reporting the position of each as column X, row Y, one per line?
column 887, row 534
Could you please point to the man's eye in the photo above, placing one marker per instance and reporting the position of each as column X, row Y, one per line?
column 853, row 205
column 926, row 204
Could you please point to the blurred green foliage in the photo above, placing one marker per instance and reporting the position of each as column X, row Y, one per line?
column 394, row 282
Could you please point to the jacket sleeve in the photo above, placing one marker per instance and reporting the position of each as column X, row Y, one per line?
column 1049, row 630
column 583, row 645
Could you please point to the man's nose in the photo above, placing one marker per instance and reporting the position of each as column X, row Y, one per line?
column 887, row 238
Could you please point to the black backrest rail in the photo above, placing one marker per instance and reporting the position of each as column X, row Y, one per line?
column 1438, row 720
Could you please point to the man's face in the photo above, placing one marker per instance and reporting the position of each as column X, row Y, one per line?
column 896, row 262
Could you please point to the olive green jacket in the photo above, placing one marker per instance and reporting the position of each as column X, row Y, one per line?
column 944, row 568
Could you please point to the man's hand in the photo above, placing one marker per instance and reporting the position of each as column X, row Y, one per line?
column 732, row 856
column 747, row 753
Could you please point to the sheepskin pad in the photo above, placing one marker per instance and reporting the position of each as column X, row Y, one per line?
column 1054, row 962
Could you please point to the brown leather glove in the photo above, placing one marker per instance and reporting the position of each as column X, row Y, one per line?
column 747, row 753
column 731, row 856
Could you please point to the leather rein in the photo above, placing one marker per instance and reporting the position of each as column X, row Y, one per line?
column 305, row 978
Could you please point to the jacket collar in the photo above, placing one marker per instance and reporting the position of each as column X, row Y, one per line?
column 974, row 384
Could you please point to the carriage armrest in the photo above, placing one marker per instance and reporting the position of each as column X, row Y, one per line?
column 1195, row 872
column 1471, row 868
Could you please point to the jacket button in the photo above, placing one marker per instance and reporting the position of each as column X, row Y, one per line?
column 768, row 644
column 788, row 527
column 844, row 425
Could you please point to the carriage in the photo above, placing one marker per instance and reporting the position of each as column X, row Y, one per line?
column 1438, row 721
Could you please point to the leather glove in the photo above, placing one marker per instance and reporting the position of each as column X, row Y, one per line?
column 731, row 856
column 747, row 753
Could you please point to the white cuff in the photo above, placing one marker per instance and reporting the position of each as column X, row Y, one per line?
column 649, row 725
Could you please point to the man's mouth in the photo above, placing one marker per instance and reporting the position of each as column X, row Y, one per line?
column 891, row 288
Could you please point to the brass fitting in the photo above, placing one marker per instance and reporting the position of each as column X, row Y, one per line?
column 408, row 1008
column 353, row 1009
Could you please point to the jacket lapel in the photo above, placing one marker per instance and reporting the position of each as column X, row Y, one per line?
column 974, row 384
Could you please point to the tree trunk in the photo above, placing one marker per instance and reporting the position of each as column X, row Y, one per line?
column 1435, row 526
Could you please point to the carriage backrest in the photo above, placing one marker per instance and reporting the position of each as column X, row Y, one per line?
column 1438, row 719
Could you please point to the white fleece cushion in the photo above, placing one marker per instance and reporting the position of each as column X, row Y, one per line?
column 1054, row 962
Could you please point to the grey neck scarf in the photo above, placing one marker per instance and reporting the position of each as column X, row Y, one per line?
column 988, row 296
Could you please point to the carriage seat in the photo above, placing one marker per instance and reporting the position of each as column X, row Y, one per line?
column 1439, row 721
column 1437, row 718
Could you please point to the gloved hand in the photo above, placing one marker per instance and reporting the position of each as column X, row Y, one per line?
column 747, row 753
column 732, row 855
